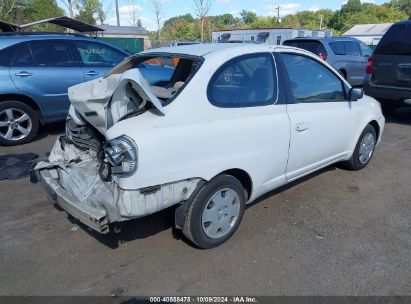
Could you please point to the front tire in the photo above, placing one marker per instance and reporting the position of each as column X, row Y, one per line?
column 364, row 150
column 215, row 212
column 19, row 123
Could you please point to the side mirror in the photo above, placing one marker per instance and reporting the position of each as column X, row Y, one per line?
column 355, row 94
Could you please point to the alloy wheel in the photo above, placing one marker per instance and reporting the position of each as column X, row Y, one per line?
column 15, row 124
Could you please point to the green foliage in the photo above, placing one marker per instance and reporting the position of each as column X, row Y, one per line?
column 351, row 7
column 26, row 11
column 351, row 14
column 402, row 5
column 248, row 17
column 12, row 10
column 43, row 9
column 180, row 28
column 309, row 19
column 186, row 27
column 89, row 11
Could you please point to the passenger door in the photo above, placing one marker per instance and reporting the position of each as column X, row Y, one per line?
column 248, row 88
column 322, row 120
column 45, row 70
column 97, row 58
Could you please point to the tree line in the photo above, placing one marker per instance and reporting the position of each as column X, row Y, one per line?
column 26, row 11
column 199, row 25
column 187, row 27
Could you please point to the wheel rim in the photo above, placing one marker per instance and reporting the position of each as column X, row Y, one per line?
column 221, row 213
column 15, row 124
column 366, row 148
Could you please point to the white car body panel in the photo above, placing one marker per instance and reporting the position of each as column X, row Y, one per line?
column 190, row 139
column 200, row 126
column 95, row 95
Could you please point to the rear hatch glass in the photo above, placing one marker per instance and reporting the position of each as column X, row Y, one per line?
column 393, row 57
column 312, row 46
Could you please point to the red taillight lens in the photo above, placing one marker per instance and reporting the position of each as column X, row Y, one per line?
column 323, row 57
column 370, row 66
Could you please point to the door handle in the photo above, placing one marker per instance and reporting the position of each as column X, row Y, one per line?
column 24, row 74
column 92, row 73
column 302, row 127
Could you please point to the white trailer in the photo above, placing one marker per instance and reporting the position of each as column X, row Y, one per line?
column 267, row 35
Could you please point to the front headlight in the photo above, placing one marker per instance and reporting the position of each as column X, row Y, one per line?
column 119, row 157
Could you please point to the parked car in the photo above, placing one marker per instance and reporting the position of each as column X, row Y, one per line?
column 349, row 56
column 241, row 120
column 389, row 70
column 37, row 69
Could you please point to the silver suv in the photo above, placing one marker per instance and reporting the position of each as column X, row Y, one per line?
column 349, row 56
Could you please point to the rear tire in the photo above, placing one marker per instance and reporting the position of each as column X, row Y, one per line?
column 215, row 212
column 364, row 150
column 19, row 123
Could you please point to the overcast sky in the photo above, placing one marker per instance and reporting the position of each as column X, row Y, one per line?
column 172, row 8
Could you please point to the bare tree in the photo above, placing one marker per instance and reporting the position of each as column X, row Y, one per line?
column 133, row 8
column 201, row 9
column 69, row 5
column 156, row 6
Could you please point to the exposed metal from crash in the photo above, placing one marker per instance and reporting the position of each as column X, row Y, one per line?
column 73, row 182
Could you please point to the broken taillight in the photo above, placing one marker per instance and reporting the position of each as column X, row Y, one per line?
column 370, row 66
column 323, row 57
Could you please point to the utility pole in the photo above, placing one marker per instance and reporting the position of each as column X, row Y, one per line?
column 117, row 14
column 70, row 8
column 321, row 22
column 278, row 14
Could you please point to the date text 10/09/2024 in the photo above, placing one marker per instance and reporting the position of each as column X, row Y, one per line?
column 203, row 300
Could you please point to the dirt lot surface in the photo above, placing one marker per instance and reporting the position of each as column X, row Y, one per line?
column 334, row 233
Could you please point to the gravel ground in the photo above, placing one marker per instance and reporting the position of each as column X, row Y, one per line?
column 333, row 233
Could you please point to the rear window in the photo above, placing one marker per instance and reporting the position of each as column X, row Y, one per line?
column 315, row 47
column 158, row 71
column 397, row 41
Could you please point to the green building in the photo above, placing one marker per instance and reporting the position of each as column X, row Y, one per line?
column 130, row 38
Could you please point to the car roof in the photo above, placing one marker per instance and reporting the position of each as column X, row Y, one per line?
column 325, row 39
column 201, row 50
column 7, row 39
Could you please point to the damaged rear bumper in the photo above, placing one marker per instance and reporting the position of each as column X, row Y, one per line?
column 71, row 179
column 94, row 218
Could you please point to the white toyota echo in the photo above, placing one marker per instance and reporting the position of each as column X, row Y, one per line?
column 229, row 124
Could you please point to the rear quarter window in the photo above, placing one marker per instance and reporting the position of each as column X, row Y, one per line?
column 397, row 41
column 245, row 81
column 7, row 55
column 352, row 48
column 338, row 47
